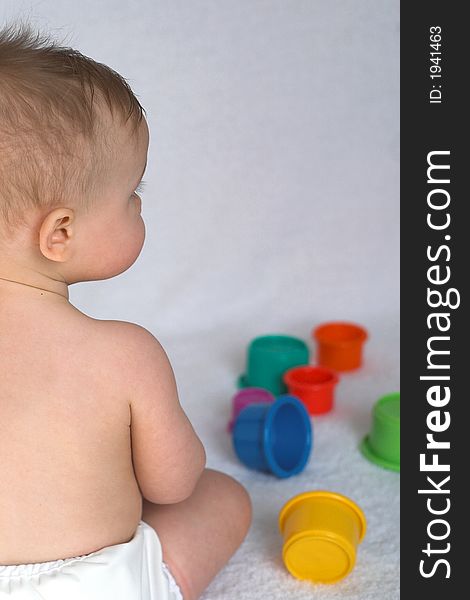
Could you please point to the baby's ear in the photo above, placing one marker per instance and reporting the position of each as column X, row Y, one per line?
column 56, row 233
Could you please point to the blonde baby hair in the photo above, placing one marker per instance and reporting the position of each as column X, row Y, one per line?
column 54, row 145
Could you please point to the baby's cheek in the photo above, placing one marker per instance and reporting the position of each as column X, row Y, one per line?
column 135, row 245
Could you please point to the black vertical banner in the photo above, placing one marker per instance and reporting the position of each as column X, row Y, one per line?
column 435, row 252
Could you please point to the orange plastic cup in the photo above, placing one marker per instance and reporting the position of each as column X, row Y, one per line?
column 314, row 386
column 340, row 345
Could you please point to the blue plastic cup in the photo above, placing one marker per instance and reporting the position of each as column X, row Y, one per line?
column 275, row 438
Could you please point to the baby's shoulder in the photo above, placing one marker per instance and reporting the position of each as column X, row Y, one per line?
column 128, row 347
column 124, row 336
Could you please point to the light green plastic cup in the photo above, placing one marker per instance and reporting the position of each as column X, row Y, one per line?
column 382, row 445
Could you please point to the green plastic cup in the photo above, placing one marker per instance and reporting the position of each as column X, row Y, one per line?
column 269, row 356
column 382, row 445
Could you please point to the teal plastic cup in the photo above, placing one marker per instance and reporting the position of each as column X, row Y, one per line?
column 269, row 357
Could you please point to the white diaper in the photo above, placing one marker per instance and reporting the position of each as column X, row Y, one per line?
column 131, row 571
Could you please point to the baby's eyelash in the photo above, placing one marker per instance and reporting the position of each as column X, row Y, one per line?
column 140, row 188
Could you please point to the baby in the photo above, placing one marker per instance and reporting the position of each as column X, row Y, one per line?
column 104, row 492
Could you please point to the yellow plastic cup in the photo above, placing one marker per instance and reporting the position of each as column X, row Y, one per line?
column 321, row 532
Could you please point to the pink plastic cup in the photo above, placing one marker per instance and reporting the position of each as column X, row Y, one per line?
column 245, row 397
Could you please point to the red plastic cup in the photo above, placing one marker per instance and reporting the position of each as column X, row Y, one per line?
column 340, row 345
column 249, row 395
column 314, row 386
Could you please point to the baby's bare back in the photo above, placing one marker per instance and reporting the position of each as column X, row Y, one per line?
column 67, row 480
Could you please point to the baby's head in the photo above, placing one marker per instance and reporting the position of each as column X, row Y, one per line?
column 73, row 148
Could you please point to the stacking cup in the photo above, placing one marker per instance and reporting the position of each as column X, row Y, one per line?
column 314, row 386
column 321, row 532
column 245, row 397
column 269, row 356
column 382, row 445
column 340, row 345
column 275, row 438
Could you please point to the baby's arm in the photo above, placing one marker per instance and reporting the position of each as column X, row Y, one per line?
column 167, row 454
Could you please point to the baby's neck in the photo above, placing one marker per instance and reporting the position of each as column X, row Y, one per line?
column 32, row 286
column 17, row 278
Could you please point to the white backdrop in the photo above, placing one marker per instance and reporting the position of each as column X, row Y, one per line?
column 271, row 205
